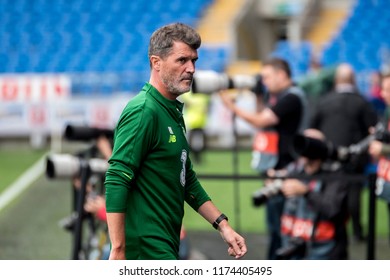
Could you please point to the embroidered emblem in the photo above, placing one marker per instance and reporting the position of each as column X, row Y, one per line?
column 172, row 136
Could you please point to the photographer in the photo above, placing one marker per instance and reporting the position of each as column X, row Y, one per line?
column 380, row 149
column 313, row 223
column 94, row 205
column 277, row 122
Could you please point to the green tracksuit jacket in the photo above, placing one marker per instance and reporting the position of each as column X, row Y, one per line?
column 150, row 175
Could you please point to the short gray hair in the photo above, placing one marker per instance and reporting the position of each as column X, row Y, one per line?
column 161, row 41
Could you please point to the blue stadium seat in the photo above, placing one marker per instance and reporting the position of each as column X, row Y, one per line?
column 297, row 55
column 77, row 36
column 362, row 39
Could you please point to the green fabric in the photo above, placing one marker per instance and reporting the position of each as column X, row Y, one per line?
column 150, row 175
column 318, row 84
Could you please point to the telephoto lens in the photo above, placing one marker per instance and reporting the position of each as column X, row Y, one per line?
column 209, row 82
column 86, row 133
column 66, row 166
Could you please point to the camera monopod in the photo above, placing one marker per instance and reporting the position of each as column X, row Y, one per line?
column 67, row 166
column 85, row 173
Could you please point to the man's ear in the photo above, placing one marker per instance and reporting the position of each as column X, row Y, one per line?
column 155, row 61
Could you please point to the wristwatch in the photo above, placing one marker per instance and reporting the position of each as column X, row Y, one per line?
column 219, row 220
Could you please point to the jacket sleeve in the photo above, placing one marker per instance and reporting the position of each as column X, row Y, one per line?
column 132, row 141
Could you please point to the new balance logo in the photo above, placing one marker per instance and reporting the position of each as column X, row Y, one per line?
column 172, row 139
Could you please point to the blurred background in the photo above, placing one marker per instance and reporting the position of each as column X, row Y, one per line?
column 79, row 62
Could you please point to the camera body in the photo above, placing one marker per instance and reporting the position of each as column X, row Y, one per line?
column 262, row 195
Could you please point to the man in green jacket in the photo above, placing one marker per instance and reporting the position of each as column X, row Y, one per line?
column 150, row 173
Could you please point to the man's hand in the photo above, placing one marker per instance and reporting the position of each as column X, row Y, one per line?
column 104, row 146
column 228, row 99
column 375, row 148
column 237, row 247
column 116, row 231
column 117, row 254
column 293, row 187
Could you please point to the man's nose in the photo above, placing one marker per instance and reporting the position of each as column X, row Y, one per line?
column 190, row 67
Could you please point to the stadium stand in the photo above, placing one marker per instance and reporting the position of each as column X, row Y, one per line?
column 362, row 39
column 298, row 55
column 103, row 46
column 214, row 26
column 328, row 22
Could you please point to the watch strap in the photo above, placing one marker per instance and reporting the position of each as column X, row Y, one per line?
column 219, row 219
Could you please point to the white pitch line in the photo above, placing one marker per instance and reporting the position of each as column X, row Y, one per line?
column 23, row 182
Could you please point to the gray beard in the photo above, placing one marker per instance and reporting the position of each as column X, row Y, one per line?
column 175, row 90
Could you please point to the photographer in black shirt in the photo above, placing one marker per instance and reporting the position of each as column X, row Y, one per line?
column 277, row 122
